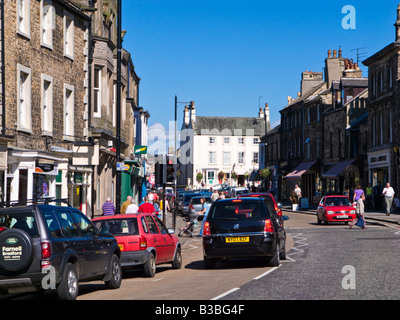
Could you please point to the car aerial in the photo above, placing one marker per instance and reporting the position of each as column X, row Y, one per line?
column 186, row 201
column 144, row 241
column 54, row 247
column 335, row 208
column 243, row 228
column 195, row 204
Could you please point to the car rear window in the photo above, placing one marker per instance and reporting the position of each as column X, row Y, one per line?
column 189, row 196
column 118, row 227
column 23, row 221
column 238, row 210
column 197, row 200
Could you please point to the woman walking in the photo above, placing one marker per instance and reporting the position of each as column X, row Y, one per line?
column 359, row 220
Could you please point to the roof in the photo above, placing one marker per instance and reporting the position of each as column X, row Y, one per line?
column 224, row 126
column 380, row 54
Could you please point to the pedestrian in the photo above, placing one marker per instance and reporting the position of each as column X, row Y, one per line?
column 133, row 207
column 369, row 196
column 378, row 196
column 214, row 196
column 108, row 208
column 125, row 204
column 388, row 193
column 297, row 192
column 157, row 208
column 221, row 195
column 146, row 206
column 204, row 211
column 359, row 220
column 358, row 193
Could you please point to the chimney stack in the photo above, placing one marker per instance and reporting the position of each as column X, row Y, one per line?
column 397, row 24
column 186, row 116
column 192, row 112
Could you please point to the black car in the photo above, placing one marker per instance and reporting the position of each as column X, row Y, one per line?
column 243, row 228
column 54, row 247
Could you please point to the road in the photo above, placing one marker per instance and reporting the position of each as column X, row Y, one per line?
column 323, row 260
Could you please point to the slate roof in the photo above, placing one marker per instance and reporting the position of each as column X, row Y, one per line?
column 224, row 126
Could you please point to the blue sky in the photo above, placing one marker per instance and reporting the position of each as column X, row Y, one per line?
column 225, row 54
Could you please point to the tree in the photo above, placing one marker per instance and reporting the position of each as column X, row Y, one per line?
column 265, row 173
column 221, row 176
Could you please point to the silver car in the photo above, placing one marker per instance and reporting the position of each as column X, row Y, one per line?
column 195, row 205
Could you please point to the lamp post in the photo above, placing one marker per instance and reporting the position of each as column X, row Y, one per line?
column 118, row 107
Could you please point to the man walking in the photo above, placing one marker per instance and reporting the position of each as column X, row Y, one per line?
column 108, row 208
column 388, row 193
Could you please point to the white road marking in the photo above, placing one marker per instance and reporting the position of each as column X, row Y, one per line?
column 266, row 273
column 226, row 293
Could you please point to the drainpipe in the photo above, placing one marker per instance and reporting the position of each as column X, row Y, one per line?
column 3, row 76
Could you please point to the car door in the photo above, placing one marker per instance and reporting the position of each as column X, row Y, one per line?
column 76, row 242
column 97, row 247
column 158, row 240
column 320, row 209
column 168, row 241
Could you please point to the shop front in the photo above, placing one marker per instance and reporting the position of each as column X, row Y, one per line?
column 380, row 168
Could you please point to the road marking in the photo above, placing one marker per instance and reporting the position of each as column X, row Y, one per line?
column 226, row 293
column 266, row 273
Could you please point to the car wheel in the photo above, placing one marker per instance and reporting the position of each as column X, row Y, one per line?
column 116, row 274
column 282, row 254
column 150, row 266
column 209, row 263
column 319, row 220
column 275, row 260
column 69, row 287
column 177, row 262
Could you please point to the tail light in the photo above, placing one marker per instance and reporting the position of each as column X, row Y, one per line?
column 143, row 243
column 2, row 229
column 46, row 250
column 278, row 211
column 206, row 229
column 268, row 226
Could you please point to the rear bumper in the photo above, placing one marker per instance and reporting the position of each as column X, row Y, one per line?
column 214, row 247
column 134, row 258
column 20, row 284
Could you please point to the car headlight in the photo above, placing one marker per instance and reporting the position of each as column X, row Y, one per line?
column 353, row 212
column 329, row 212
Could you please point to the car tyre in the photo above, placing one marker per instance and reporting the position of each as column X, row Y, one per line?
column 282, row 254
column 177, row 262
column 150, row 266
column 275, row 260
column 68, row 288
column 116, row 274
column 209, row 263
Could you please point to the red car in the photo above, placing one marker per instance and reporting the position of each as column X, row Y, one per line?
column 264, row 195
column 143, row 240
column 335, row 209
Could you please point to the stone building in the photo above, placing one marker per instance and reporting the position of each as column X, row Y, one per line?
column 383, row 102
column 214, row 146
column 45, row 96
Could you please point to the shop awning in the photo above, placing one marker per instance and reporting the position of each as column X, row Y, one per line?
column 337, row 169
column 255, row 176
column 300, row 170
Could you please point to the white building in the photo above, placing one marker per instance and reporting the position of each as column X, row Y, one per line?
column 210, row 146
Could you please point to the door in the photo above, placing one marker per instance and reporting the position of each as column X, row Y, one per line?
column 76, row 242
column 97, row 248
column 157, row 238
column 168, row 241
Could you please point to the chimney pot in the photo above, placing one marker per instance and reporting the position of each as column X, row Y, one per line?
column 334, row 53
column 329, row 53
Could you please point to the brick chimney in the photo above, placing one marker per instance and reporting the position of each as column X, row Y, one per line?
column 334, row 67
column 192, row 109
column 310, row 80
column 186, row 116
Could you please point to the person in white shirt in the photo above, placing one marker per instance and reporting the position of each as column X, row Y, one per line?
column 388, row 193
column 132, row 208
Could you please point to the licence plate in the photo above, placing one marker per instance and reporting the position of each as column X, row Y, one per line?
column 237, row 239
column 121, row 247
column 343, row 216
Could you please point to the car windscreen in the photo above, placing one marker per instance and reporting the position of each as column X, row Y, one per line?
column 190, row 196
column 238, row 210
column 24, row 221
column 118, row 227
column 337, row 202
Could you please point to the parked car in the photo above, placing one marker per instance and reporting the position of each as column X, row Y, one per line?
column 195, row 204
column 186, row 200
column 234, row 192
column 144, row 241
column 269, row 200
column 38, row 239
column 243, row 228
column 335, row 209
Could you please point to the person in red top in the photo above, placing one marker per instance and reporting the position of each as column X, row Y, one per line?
column 146, row 207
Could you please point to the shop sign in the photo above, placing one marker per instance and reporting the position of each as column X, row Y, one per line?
column 46, row 168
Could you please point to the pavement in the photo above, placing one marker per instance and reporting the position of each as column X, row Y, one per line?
column 369, row 215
